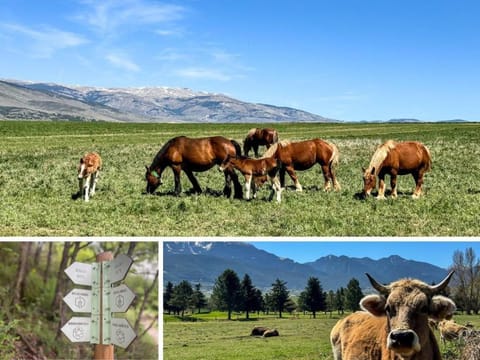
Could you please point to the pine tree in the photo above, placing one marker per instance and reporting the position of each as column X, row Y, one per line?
column 353, row 295
column 279, row 294
column 249, row 296
column 226, row 292
column 313, row 298
column 167, row 297
column 198, row 300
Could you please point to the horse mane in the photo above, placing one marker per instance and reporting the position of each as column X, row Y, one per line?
column 273, row 149
column 251, row 132
column 161, row 152
column 380, row 154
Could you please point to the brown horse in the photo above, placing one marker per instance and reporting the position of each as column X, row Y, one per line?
column 255, row 168
column 392, row 158
column 257, row 137
column 302, row 155
column 189, row 155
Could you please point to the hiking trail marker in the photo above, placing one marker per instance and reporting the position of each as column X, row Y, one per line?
column 100, row 301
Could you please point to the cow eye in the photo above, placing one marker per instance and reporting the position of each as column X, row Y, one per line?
column 390, row 310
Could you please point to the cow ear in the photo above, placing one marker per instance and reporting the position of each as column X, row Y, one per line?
column 363, row 170
column 374, row 304
column 441, row 308
column 373, row 171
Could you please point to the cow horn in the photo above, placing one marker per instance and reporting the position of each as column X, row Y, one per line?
column 382, row 289
column 442, row 285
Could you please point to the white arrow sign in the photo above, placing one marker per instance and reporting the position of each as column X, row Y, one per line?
column 121, row 332
column 80, row 273
column 79, row 300
column 120, row 298
column 77, row 329
column 118, row 268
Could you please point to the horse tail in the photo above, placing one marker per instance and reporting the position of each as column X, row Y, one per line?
column 429, row 161
column 238, row 148
column 334, row 159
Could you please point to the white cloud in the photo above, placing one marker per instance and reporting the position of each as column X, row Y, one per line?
column 45, row 41
column 123, row 62
column 109, row 17
column 203, row 73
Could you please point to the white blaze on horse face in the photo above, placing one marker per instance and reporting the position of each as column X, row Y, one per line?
column 81, row 170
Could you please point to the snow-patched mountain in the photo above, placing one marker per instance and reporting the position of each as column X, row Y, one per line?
column 203, row 262
column 49, row 101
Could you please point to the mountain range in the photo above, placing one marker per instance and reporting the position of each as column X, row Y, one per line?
column 203, row 262
column 49, row 101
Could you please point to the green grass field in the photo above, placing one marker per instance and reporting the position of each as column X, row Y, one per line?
column 300, row 338
column 38, row 163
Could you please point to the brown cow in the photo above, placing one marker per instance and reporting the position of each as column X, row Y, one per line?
column 258, row 331
column 395, row 323
column 449, row 330
column 270, row 333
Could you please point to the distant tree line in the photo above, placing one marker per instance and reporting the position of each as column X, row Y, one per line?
column 231, row 294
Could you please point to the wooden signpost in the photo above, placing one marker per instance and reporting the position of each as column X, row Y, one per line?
column 101, row 301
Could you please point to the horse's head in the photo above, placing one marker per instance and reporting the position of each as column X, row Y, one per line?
column 82, row 169
column 369, row 180
column 153, row 180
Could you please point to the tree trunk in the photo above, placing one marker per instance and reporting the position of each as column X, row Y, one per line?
column 36, row 256
column 22, row 272
column 49, row 262
column 144, row 302
column 57, row 305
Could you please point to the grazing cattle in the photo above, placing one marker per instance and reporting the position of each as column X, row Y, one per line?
column 302, row 155
column 449, row 330
column 257, row 137
column 258, row 331
column 471, row 349
column 270, row 333
column 255, row 168
column 394, row 325
column 392, row 158
column 88, row 172
column 193, row 155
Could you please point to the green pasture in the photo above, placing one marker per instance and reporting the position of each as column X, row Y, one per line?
column 38, row 163
column 301, row 338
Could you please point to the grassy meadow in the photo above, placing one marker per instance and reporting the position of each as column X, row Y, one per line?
column 38, row 163
column 301, row 338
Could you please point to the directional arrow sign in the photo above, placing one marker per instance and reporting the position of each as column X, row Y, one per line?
column 77, row 329
column 80, row 273
column 120, row 298
column 121, row 332
column 79, row 300
column 118, row 268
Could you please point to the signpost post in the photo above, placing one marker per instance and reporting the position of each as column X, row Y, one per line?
column 100, row 328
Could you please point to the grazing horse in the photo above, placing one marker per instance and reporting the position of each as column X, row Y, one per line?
column 257, row 137
column 392, row 158
column 193, row 154
column 253, row 168
column 88, row 171
column 302, row 155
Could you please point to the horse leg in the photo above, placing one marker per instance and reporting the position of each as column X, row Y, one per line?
column 327, row 177
column 248, row 183
column 86, row 188
column 381, row 187
column 276, row 189
column 293, row 176
column 393, row 184
column 176, row 174
column 418, row 185
column 196, row 186
column 93, row 182
column 231, row 175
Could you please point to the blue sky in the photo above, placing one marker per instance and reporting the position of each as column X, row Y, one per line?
column 349, row 60
column 436, row 252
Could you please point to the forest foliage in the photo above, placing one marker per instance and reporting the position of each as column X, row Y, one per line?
column 33, row 284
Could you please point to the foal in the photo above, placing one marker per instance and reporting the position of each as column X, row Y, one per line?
column 88, row 171
column 255, row 169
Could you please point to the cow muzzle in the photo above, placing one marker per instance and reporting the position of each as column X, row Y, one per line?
column 403, row 341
